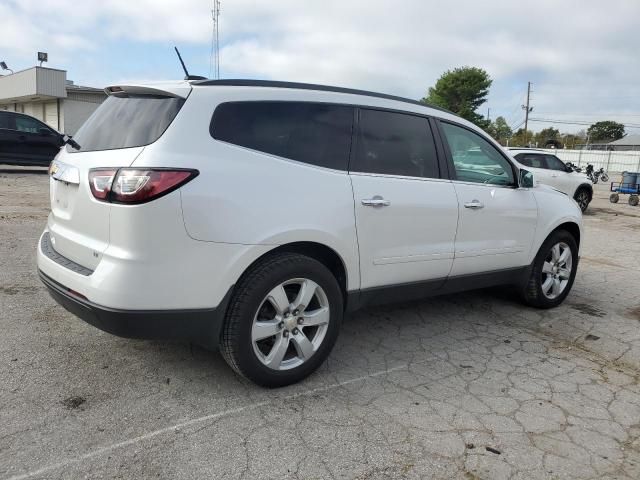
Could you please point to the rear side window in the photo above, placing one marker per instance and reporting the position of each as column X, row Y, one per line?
column 395, row 144
column 124, row 121
column 314, row 133
column 531, row 160
column 5, row 120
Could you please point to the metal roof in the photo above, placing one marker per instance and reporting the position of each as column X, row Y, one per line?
column 627, row 140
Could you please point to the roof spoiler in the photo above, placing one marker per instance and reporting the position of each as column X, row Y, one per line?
column 177, row 89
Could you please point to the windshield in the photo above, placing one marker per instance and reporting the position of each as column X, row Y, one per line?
column 124, row 121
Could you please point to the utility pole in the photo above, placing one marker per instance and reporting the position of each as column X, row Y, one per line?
column 215, row 40
column 488, row 114
column 527, row 110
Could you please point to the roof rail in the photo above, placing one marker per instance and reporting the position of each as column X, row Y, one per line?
column 311, row 86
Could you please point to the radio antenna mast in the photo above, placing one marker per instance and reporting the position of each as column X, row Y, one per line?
column 214, row 68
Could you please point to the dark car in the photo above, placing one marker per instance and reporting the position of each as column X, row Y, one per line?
column 25, row 140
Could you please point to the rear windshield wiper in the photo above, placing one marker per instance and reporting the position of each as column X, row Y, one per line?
column 67, row 140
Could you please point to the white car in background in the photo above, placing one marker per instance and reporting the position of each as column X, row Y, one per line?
column 550, row 170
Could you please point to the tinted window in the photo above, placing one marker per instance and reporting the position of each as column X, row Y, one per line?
column 475, row 159
column 124, row 121
column 555, row 163
column 28, row 125
column 4, row 120
column 533, row 160
column 395, row 144
column 315, row 133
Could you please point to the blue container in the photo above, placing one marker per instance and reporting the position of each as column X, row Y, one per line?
column 630, row 179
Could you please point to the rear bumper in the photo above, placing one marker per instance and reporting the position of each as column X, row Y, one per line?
column 200, row 326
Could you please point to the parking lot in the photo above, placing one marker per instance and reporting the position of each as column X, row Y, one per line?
column 464, row 386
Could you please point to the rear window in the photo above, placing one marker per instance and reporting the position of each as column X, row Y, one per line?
column 124, row 121
column 314, row 133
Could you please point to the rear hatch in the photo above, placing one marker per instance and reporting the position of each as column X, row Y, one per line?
column 115, row 134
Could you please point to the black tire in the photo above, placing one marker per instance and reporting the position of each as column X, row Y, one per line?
column 582, row 198
column 532, row 293
column 614, row 198
column 236, row 343
column 633, row 200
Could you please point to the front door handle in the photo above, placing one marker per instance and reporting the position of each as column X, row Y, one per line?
column 376, row 201
column 475, row 204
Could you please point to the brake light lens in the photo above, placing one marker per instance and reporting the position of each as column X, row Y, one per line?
column 100, row 181
column 134, row 185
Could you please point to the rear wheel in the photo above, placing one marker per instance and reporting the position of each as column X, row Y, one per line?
column 633, row 200
column 582, row 197
column 553, row 271
column 614, row 197
column 283, row 320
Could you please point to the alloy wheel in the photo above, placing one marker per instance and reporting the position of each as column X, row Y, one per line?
column 583, row 200
column 556, row 270
column 290, row 324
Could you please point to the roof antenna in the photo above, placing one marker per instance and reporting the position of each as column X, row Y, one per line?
column 186, row 72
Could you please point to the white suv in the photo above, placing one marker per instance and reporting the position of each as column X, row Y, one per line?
column 252, row 215
column 550, row 170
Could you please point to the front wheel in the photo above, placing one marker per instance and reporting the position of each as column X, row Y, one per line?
column 583, row 198
column 633, row 200
column 614, row 198
column 283, row 320
column 552, row 272
column 605, row 177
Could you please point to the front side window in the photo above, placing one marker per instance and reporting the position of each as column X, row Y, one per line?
column 314, row 133
column 475, row 159
column 395, row 144
column 533, row 160
column 555, row 163
column 124, row 121
column 27, row 125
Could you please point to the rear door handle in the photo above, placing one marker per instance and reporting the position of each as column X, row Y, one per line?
column 376, row 201
column 474, row 204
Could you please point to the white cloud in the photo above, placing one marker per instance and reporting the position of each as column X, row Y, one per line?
column 581, row 55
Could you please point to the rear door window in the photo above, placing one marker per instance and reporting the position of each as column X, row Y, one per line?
column 5, row 121
column 124, row 121
column 314, row 133
column 532, row 160
column 395, row 144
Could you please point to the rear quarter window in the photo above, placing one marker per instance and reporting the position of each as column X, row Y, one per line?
column 124, row 121
column 314, row 133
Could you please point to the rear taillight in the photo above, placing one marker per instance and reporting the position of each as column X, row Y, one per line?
column 136, row 185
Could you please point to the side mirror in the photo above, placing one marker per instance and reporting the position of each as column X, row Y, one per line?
column 568, row 168
column 45, row 132
column 526, row 179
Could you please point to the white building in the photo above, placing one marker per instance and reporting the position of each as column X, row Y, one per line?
column 45, row 93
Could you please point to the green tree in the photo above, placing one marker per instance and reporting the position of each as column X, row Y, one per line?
column 605, row 131
column 462, row 90
column 500, row 130
column 571, row 140
column 547, row 135
column 518, row 138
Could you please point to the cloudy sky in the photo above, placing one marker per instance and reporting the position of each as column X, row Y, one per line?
column 583, row 56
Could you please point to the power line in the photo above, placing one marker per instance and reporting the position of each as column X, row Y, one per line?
column 576, row 122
